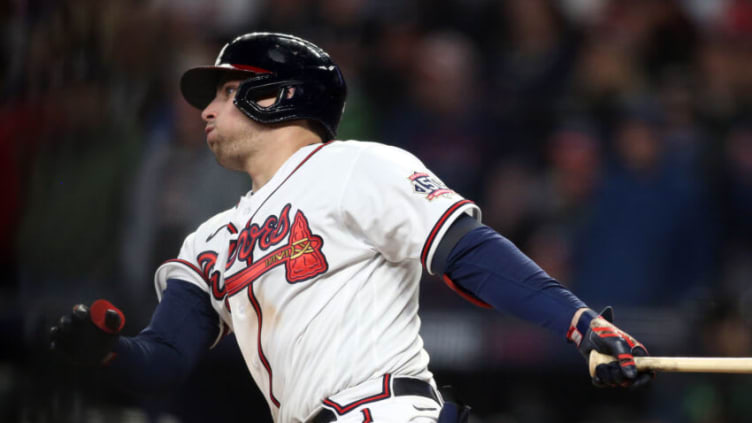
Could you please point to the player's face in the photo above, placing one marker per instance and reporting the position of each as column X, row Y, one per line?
column 230, row 134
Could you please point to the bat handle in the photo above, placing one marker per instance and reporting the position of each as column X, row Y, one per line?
column 680, row 364
column 597, row 359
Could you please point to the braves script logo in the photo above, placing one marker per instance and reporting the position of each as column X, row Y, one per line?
column 301, row 254
column 432, row 187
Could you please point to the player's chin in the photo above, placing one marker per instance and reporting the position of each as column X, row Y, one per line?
column 225, row 160
column 211, row 139
column 216, row 147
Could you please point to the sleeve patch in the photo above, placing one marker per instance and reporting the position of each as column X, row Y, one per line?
column 429, row 186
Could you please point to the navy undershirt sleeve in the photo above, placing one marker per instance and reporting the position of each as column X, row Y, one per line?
column 160, row 357
column 494, row 270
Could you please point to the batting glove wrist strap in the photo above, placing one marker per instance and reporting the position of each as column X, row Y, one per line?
column 577, row 331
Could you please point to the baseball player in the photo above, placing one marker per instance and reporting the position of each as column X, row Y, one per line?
column 316, row 269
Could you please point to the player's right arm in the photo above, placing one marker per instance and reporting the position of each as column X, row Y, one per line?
column 488, row 269
column 160, row 357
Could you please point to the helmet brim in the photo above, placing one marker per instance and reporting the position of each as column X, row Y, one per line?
column 199, row 85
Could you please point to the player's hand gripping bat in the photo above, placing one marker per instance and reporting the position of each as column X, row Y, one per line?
column 87, row 335
column 595, row 333
column 680, row 364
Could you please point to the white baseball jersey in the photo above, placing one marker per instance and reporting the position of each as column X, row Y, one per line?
column 317, row 273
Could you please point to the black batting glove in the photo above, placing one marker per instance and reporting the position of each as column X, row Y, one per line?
column 88, row 335
column 596, row 332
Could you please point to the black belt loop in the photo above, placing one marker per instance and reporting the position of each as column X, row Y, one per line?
column 401, row 386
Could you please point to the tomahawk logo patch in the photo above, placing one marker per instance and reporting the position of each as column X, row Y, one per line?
column 428, row 185
column 291, row 245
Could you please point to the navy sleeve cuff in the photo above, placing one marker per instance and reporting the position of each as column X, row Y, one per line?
column 460, row 227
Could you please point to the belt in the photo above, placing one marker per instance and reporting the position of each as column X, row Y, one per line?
column 400, row 386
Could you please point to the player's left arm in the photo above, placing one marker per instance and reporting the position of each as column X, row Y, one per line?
column 488, row 269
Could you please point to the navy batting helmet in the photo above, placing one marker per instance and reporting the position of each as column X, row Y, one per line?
column 274, row 62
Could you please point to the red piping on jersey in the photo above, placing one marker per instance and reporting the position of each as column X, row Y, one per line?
column 342, row 409
column 264, row 361
column 464, row 294
column 232, row 228
column 252, row 298
column 437, row 227
column 288, row 177
column 249, row 68
column 367, row 416
column 305, row 160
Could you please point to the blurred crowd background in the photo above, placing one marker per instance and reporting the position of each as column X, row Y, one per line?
column 611, row 140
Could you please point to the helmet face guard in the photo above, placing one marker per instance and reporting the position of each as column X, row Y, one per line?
column 262, row 86
column 268, row 64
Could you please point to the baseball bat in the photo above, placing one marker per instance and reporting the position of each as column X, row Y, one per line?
column 680, row 364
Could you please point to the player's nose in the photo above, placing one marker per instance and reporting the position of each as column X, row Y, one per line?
column 209, row 112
